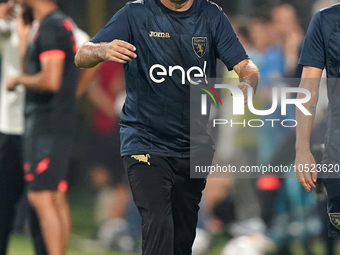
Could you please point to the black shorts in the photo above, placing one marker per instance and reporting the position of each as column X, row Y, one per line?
column 105, row 152
column 46, row 161
column 333, row 196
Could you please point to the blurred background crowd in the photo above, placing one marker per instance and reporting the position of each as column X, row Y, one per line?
column 267, row 215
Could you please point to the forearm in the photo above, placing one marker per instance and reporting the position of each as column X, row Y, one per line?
column 91, row 54
column 310, row 81
column 37, row 82
column 23, row 33
column 22, row 53
column 305, row 122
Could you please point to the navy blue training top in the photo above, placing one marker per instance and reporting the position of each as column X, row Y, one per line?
column 321, row 50
column 175, row 49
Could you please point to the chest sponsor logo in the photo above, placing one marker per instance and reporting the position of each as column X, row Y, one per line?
column 158, row 73
column 159, row 34
column 199, row 45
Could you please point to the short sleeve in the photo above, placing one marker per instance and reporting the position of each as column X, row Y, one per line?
column 228, row 46
column 52, row 41
column 313, row 53
column 116, row 28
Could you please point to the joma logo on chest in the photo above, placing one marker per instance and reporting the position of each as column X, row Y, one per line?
column 159, row 34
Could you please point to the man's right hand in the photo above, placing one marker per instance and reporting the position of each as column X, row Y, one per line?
column 304, row 164
column 119, row 51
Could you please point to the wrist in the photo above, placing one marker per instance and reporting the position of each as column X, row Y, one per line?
column 250, row 82
column 103, row 49
column 302, row 148
column 18, row 80
column 245, row 83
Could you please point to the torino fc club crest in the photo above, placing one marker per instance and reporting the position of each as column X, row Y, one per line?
column 200, row 45
column 335, row 219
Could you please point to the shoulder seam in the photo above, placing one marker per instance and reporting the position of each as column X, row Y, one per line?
column 215, row 4
column 136, row 2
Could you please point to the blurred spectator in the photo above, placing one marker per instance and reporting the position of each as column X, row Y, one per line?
column 289, row 35
column 107, row 171
column 50, row 79
column 232, row 203
column 11, row 121
column 76, row 37
column 265, row 52
column 235, row 203
column 271, row 62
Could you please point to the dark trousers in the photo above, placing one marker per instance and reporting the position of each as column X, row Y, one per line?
column 11, row 189
column 11, row 184
column 168, row 202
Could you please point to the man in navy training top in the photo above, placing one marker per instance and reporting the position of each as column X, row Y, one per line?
column 320, row 51
column 166, row 45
